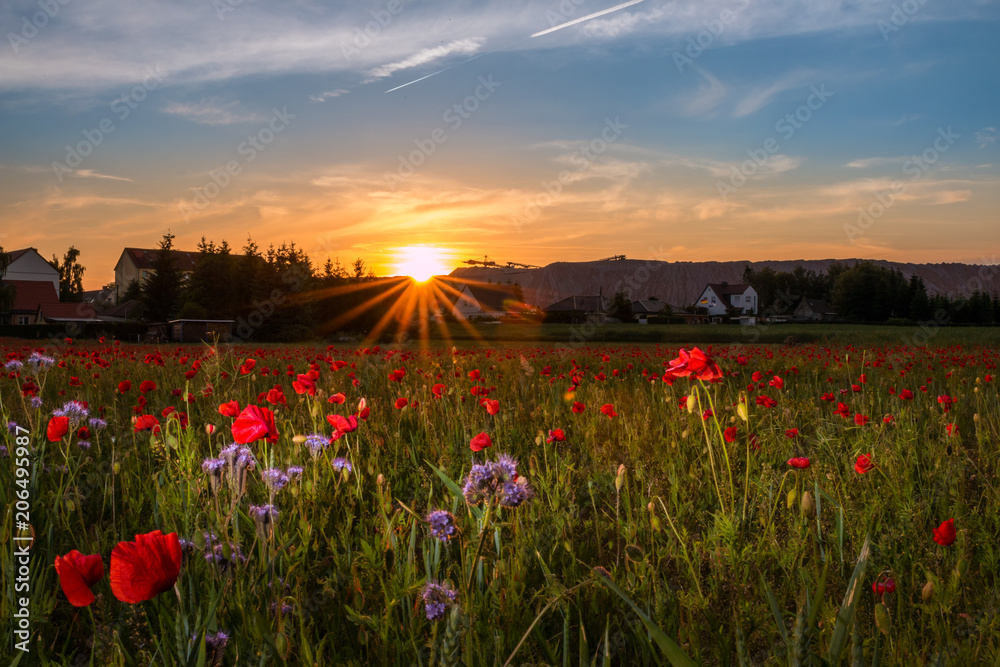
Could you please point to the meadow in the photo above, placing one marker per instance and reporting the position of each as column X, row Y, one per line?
column 494, row 504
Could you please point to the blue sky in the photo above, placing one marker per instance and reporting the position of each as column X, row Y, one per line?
column 519, row 170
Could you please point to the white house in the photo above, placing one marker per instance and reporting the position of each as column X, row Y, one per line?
column 738, row 301
column 137, row 264
column 28, row 265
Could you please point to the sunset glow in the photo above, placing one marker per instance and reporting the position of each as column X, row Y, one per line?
column 421, row 263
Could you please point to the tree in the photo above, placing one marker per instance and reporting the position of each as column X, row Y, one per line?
column 621, row 307
column 161, row 293
column 70, row 276
column 518, row 292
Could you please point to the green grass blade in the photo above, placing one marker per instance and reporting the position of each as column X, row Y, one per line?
column 845, row 617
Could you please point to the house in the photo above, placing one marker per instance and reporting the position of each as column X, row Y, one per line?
column 642, row 310
column 28, row 295
column 814, row 310
column 29, row 265
column 737, row 301
column 478, row 300
column 194, row 331
column 64, row 313
column 578, row 309
column 137, row 264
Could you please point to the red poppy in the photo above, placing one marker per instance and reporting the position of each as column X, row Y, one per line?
column 609, row 410
column 578, row 407
column 57, row 428
column 842, row 410
column 777, row 382
column 77, row 573
column 556, row 435
column 492, row 407
column 438, row 390
column 247, row 366
column 906, row 395
column 83, row 433
column 951, row 429
column 337, row 399
column 480, row 442
column 401, row 402
column 695, row 363
column 945, row 533
column 860, row 419
column 799, row 462
column 887, row 419
column 363, row 409
column 730, row 434
column 124, row 386
column 791, row 433
column 397, row 375
column 827, row 397
column 864, row 464
column 882, row 587
column 146, row 423
column 143, row 569
column 276, row 396
column 304, row 384
column 342, row 425
column 230, row 409
column 253, row 424
column 146, row 386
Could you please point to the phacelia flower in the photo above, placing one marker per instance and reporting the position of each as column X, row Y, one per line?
column 442, row 523
column 437, row 599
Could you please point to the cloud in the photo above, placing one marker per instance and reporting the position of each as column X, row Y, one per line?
column 762, row 97
column 465, row 47
column 213, row 112
column 987, row 136
column 709, row 95
column 90, row 173
column 875, row 162
column 328, row 95
column 905, row 119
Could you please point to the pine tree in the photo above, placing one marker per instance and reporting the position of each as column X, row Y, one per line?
column 161, row 293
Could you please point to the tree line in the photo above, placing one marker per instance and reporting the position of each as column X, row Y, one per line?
column 867, row 292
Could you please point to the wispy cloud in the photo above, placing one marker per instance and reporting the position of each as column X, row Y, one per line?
column 709, row 95
column 987, row 136
column 761, row 97
column 465, row 47
column 868, row 162
column 213, row 112
column 90, row 173
column 328, row 95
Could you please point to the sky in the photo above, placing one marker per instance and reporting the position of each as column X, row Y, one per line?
column 525, row 131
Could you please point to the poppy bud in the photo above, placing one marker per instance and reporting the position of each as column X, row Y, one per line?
column 380, row 480
column 299, row 439
column 691, row 402
column 209, row 429
column 651, row 507
column 741, row 410
column 975, row 417
column 620, row 478
column 928, row 592
column 807, row 506
column 634, row 553
column 792, row 495
column 882, row 618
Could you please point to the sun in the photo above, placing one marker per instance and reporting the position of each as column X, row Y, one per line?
column 420, row 262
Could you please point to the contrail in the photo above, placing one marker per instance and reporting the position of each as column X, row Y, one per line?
column 537, row 34
column 588, row 17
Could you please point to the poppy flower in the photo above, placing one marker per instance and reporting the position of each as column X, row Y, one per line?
column 438, row 390
column 146, row 423
column 860, row 419
column 57, row 428
column 342, row 425
column 791, row 433
column 800, row 462
column 247, row 366
column 945, row 533
column 492, row 407
column 77, row 574
column 730, row 434
column 480, row 442
column 147, row 386
column 695, row 363
column 777, row 382
column 253, row 424
column 578, row 407
column 337, row 399
column 276, row 396
column 124, row 386
column 397, row 375
column 363, row 409
column 951, row 429
column 143, row 569
column 230, row 409
column 304, row 384
column 401, row 402
column 842, row 410
column 883, row 587
column 609, row 410
column 864, row 464
column 83, row 433
column 556, row 435
column 906, row 395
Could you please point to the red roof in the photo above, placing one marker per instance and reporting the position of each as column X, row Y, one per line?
column 65, row 312
column 15, row 254
column 143, row 258
column 30, row 293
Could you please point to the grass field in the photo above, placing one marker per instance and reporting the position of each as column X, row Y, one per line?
column 829, row 502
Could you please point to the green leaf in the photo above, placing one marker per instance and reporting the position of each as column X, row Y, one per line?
column 845, row 617
column 670, row 649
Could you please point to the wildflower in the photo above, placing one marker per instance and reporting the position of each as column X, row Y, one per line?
column 77, row 411
column 213, row 468
column 906, row 395
column 12, row 427
column 230, row 409
column 401, row 403
column 800, row 462
column 480, row 442
column 57, row 428
column 492, row 407
column 609, row 410
column 146, row 386
column 438, row 390
column 337, row 399
column 864, row 464
column 143, row 569
column 253, row 424
column 730, row 434
column 342, row 425
column 437, row 599
column 556, row 435
column 860, row 419
column 945, row 533
column 442, row 524
column 316, row 444
column 497, row 479
column 264, row 516
column 77, row 575
column 341, row 463
column 695, row 363
column 274, row 478
column 578, row 407
column 247, row 366
column 38, row 361
column 97, row 423
column 36, row 402
column 791, row 433
column 124, row 386
column 146, row 423
column 13, row 365
column 304, row 384
column 883, row 587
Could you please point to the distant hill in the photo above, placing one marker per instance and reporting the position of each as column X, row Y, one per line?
column 680, row 283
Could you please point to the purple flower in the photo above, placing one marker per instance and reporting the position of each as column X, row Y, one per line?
column 442, row 524
column 36, row 402
column 12, row 427
column 75, row 410
column 437, row 599
column 83, row 444
column 13, row 365
column 213, row 466
column 497, row 479
column 97, row 423
column 340, row 463
column 294, row 472
column 316, row 444
column 274, row 478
